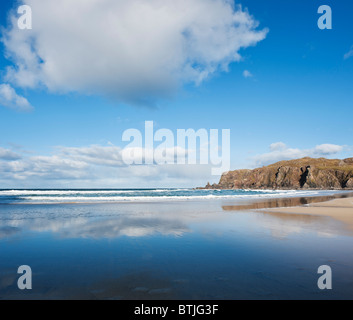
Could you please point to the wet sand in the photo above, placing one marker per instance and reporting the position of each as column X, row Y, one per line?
column 285, row 202
column 338, row 209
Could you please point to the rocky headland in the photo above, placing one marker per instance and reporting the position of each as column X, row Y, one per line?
column 305, row 173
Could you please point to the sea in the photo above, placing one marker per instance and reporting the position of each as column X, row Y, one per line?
column 41, row 196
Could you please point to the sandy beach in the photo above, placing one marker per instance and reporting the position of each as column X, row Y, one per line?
column 338, row 209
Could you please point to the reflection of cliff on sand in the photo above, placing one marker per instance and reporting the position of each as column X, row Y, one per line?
column 289, row 215
column 284, row 202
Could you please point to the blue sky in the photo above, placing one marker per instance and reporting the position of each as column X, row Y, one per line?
column 298, row 91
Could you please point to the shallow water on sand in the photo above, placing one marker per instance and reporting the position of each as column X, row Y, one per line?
column 195, row 249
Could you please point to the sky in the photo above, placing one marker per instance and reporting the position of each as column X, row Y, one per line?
column 88, row 71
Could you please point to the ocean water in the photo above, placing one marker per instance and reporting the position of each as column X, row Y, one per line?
column 136, row 195
column 170, row 244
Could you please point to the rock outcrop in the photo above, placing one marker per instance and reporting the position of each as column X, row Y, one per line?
column 305, row 173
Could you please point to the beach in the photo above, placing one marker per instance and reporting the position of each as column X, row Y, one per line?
column 338, row 209
column 187, row 245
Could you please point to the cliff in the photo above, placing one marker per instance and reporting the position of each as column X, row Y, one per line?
column 305, row 173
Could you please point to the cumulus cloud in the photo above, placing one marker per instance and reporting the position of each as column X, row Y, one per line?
column 99, row 166
column 327, row 149
column 47, row 167
column 277, row 146
column 9, row 155
column 247, row 74
column 10, row 99
column 135, row 51
column 116, row 156
column 280, row 151
column 96, row 154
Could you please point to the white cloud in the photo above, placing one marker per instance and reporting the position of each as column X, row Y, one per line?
column 10, row 99
column 98, row 166
column 134, row 51
column 247, row 74
column 45, row 167
column 98, row 155
column 280, row 151
column 113, row 155
column 8, row 155
column 327, row 149
column 277, row 146
column 349, row 53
